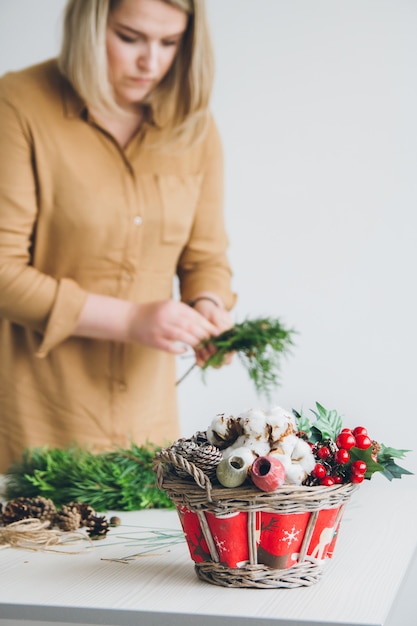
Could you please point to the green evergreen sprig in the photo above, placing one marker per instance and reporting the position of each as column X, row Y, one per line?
column 121, row 480
column 259, row 343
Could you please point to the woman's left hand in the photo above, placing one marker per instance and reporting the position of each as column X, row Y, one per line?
column 221, row 319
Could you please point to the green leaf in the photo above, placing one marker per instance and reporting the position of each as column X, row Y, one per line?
column 390, row 453
column 386, row 457
column 303, row 423
column 327, row 425
column 372, row 466
column 392, row 470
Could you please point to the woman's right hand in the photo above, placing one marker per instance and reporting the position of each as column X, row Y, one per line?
column 167, row 324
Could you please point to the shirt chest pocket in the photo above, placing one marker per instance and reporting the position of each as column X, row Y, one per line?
column 178, row 196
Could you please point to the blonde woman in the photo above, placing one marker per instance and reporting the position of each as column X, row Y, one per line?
column 110, row 186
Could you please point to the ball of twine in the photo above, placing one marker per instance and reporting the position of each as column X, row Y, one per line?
column 33, row 534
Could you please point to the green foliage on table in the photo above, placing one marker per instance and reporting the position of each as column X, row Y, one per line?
column 121, row 480
column 259, row 344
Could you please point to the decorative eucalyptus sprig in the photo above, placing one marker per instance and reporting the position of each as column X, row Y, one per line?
column 259, row 343
column 122, row 479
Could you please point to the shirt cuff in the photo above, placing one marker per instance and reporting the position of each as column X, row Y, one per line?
column 69, row 301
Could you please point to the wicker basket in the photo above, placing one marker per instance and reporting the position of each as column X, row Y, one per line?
column 244, row 537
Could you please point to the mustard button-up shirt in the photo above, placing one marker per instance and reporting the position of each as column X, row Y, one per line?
column 79, row 214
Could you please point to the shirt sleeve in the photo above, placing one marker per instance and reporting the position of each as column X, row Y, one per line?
column 27, row 296
column 203, row 265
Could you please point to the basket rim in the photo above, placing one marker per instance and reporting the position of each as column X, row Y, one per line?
column 287, row 498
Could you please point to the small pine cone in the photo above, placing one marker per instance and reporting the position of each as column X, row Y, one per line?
column 311, row 481
column 376, row 449
column 68, row 518
column 198, row 451
column 207, row 458
column 23, row 508
column 85, row 510
column 184, row 448
column 97, row 527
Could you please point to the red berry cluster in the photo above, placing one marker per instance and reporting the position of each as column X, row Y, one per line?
column 334, row 464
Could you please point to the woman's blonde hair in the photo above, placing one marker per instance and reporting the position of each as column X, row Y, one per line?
column 179, row 103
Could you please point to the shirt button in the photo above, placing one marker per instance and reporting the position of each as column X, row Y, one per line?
column 128, row 277
column 137, row 220
column 122, row 387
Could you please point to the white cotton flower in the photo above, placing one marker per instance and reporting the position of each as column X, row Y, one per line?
column 254, row 424
column 223, row 431
column 243, row 452
column 218, row 425
column 281, row 423
column 277, row 413
column 303, row 455
column 295, row 474
column 260, row 448
column 238, row 443
column 296, row 456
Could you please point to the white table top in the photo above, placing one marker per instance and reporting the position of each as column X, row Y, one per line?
column 362, row 585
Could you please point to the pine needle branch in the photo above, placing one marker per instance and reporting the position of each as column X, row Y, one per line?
column 122, row 480
column 259, row 343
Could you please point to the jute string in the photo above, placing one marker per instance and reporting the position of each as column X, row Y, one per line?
column 32, row 534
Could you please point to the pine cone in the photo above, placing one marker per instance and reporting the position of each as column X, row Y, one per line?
column 85, row 510
column 23, row 508
column 207, row 458
column 68, row 518
column 97, row 527
column 198, row 451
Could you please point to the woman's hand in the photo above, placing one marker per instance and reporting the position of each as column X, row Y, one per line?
column 220, row 318
column 171, row 326
column 167, row 325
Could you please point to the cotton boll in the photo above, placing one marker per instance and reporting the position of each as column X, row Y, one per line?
column 260, row 448
column 223, row 431
column 303, row 455
column 279, row 414
column 296, row 456
column 238, row 443
column 288, row 443
column 280, row 424
column 243, row 452
column 254, row 424
column 295, row 474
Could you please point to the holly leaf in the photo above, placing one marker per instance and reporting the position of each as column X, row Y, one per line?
column 327, row 425
column 357, row 454
column 392, row 470
column 391, row 453
column 386, row 458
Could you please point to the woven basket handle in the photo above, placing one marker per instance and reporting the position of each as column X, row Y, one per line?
column 179, row 462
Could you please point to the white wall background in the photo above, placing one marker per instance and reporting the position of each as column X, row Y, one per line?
column 316, row 101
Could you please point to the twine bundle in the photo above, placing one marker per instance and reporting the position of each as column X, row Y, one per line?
column 33, row 534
